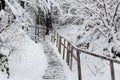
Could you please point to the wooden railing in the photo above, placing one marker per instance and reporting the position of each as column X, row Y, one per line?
column 38, row 33
column 70, row 52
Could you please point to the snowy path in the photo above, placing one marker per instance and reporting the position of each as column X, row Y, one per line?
column 55, row 70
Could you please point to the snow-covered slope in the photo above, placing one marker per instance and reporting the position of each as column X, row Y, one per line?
column 92, row 68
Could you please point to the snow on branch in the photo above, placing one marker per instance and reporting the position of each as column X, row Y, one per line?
column 116, row 9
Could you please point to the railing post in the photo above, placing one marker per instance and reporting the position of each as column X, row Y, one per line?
column 54, row 36
column 64, row 50
column 112, row 70
column 35, row 34
column 27, row 30
column 59, row 46
column 68, row 53
column 57, row 40
column 79, row 65
column 51, row 38
column 44, row 29
column 71, row 58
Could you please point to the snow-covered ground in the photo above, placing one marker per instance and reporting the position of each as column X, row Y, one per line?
column 57, row 68
column 27, row 60
column 70, row 32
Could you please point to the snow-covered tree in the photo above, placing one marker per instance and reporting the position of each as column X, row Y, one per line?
column 103, row 20
column 99, row 20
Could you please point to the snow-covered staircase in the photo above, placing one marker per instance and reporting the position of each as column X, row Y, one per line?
column 55, row 70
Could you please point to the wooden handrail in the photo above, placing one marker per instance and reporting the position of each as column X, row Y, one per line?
column 68, row 46
column 99, row 56
column 90, row 53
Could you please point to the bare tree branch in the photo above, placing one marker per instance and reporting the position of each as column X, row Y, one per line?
column 105, row 8
column 116, row 9
column 102, row 33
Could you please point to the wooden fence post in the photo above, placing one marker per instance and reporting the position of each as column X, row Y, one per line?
column 79, row 65
column 44, row 29
column 57, row 40
column 64, row 49
column 27, row 31
column 112, row 70
column 71, row 58
column 38, row 32
column 68, row 54
column 54, row 36
column 35, row 33
column 59, row 46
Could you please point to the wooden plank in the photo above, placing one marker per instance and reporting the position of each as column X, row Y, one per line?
column 112, row 70
column 79, row 66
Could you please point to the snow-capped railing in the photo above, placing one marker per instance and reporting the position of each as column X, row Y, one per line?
column 70, row 52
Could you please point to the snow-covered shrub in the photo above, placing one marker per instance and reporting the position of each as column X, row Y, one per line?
column 4, row 65
column 71, row 19
column 3, row 20
column 55, row 14
column 116, row 51
column 7, row 46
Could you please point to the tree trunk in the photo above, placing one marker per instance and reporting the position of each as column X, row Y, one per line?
column 2, row 5
column 22, row 4
column 48, row 23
